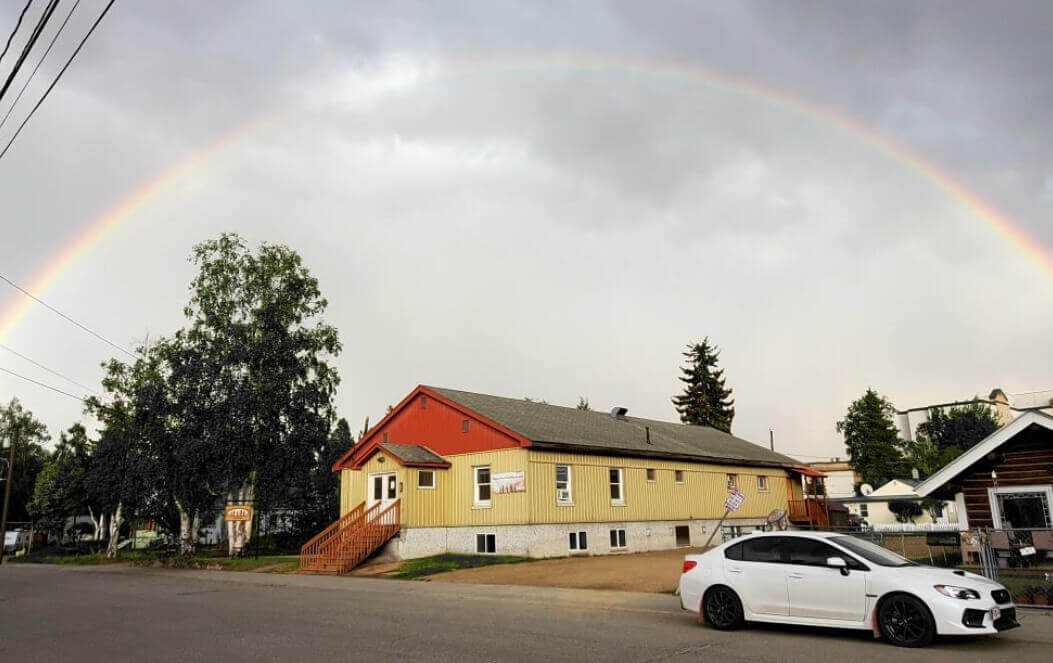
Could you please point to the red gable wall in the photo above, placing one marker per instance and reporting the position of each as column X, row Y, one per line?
column 426, row 418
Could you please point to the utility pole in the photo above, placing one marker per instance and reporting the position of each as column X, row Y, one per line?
column 7, row 496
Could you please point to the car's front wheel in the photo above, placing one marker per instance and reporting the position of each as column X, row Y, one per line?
column 905, row 621
column 723, row 609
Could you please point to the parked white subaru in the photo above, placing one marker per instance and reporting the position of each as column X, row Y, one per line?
column 835, row 580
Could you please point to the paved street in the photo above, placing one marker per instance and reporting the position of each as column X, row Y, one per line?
column 52, row 613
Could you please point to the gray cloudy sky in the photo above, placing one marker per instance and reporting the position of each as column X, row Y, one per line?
column 488, row 210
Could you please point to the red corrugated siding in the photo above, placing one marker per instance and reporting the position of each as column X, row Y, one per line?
column 439, row 425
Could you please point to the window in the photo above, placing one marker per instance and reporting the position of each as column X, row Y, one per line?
column 734, row 552
column 423, row 401
column 678, row 475
column 392, row 483
column 617, row 492
column 864, row 510
column 618, row 538
column 733, row 481
column 486, row 543
column 871, row 552
column 683, row 536
column 1021, row 507
column 650, row 474
column 809, row 552
column 762, row 483
column 770, row 549
column 579, row 541
column 464, row 426
column 563, row 494
column 482, row 486
column 425, row 479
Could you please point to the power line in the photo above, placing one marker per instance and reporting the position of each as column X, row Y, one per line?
column 66, row 317
column 15, row 31
column 44, row 18
column 46, row 386
column 53, row 372
column 59, row 76
column 39, row 62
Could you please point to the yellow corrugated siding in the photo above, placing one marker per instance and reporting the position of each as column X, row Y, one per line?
column 450, row 503
column 701, row 495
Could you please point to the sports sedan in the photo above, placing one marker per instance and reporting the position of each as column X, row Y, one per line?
column 835, row 580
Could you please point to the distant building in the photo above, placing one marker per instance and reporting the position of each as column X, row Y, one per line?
column 1005, row 406
column 874, row 508
column 841, row 477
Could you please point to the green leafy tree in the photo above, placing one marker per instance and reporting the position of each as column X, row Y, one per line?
column 947, row 434
column 872, row 440
column 706, row 400
column 905, row 510
column 263, row 386
column 18, row 427
column 59, row 491
column 323, row 492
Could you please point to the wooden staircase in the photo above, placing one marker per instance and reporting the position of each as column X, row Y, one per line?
column 349, row 541
column 812, row 512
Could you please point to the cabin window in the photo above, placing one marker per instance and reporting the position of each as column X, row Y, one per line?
column 482, row 486
column 617, row 488
column 579, row 541
column 486, row 544
column 678, row 476
column 563, row 494
column 1021, row 507
column 733, row 481
column 762, row 483
column 650, row 474
column 618, row 539
column 425, row 478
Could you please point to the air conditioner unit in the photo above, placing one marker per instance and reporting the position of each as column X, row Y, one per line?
column 562, row 495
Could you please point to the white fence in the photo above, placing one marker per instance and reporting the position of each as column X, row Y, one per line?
column 911, row 527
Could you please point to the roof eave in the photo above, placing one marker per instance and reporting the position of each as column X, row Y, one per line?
column 645, row 453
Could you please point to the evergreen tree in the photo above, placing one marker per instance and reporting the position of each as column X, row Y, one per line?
column 706, row 400
column 872, row 439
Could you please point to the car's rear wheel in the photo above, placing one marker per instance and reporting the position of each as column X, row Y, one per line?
column 723, row 609
column 906, row 622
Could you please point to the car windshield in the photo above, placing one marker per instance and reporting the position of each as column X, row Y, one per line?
column 871, row 552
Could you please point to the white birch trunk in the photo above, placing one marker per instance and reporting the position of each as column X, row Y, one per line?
column 188, row 526
column 239, row 532
column 115, row 532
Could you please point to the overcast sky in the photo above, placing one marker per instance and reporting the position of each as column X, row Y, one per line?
column 552, row 199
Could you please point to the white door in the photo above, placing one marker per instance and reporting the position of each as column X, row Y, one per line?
column 820, row 591
column 383, row 488
column 756, row 571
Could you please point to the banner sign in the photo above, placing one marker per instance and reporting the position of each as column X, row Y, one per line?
column 734, row 500
column 509, row 482
column 237, row 513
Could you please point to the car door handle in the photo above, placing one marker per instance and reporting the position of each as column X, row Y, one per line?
column 734, row 570
column 795, row 576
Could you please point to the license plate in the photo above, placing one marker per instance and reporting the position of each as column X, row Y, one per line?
column 996, row 614
column 1027, row 550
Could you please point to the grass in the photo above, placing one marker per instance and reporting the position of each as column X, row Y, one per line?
column 426, row 566
column 263, row 563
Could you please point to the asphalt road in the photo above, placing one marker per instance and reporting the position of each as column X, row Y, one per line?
column 52, row 613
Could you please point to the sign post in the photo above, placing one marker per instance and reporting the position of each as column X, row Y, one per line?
column 732, row 502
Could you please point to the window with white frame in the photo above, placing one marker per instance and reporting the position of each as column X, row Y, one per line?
column 617, row 486
column 426, row 479
column 482, row 485
column 579, row 541
column 486, row 543
column 1021, row 507
column 563, row 488
column 733, row 481
column 618, row 539
column 762, row 483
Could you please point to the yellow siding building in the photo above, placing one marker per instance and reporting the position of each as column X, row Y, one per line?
column 478, row 473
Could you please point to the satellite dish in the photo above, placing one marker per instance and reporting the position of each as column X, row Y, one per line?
column 866, row 489
column 777, row 519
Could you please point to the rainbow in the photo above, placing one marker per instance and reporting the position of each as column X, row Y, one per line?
column 111, row 219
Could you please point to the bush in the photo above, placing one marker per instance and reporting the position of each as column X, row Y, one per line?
column 906, row 510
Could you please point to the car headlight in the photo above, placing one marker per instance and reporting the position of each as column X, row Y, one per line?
column 957, row 592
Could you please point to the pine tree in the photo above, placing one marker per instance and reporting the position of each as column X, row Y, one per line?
column 872, row 440
column 706, row 400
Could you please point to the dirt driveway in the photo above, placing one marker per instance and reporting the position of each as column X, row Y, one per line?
column 640, row 572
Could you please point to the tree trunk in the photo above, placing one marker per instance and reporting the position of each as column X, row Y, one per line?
column 115, row 532
column 239, row 532
column 188, row 526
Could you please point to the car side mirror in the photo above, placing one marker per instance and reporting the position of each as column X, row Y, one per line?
column 838, row 563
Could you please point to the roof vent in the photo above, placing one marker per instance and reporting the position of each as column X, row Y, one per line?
column 619, row 412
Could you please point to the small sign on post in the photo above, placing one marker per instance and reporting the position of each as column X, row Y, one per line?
column 237, row 513
column 734, row 500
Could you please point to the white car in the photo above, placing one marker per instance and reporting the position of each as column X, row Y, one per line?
column 836, row 580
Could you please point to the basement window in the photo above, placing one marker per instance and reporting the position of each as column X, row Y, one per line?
column 618, row 539
column 650, row 474
column 486, row 544
column 426, row 479
column 579, row 541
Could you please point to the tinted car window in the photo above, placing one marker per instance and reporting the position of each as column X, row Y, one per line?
column 810, row 552
column 734, row 552
column 765, row 549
